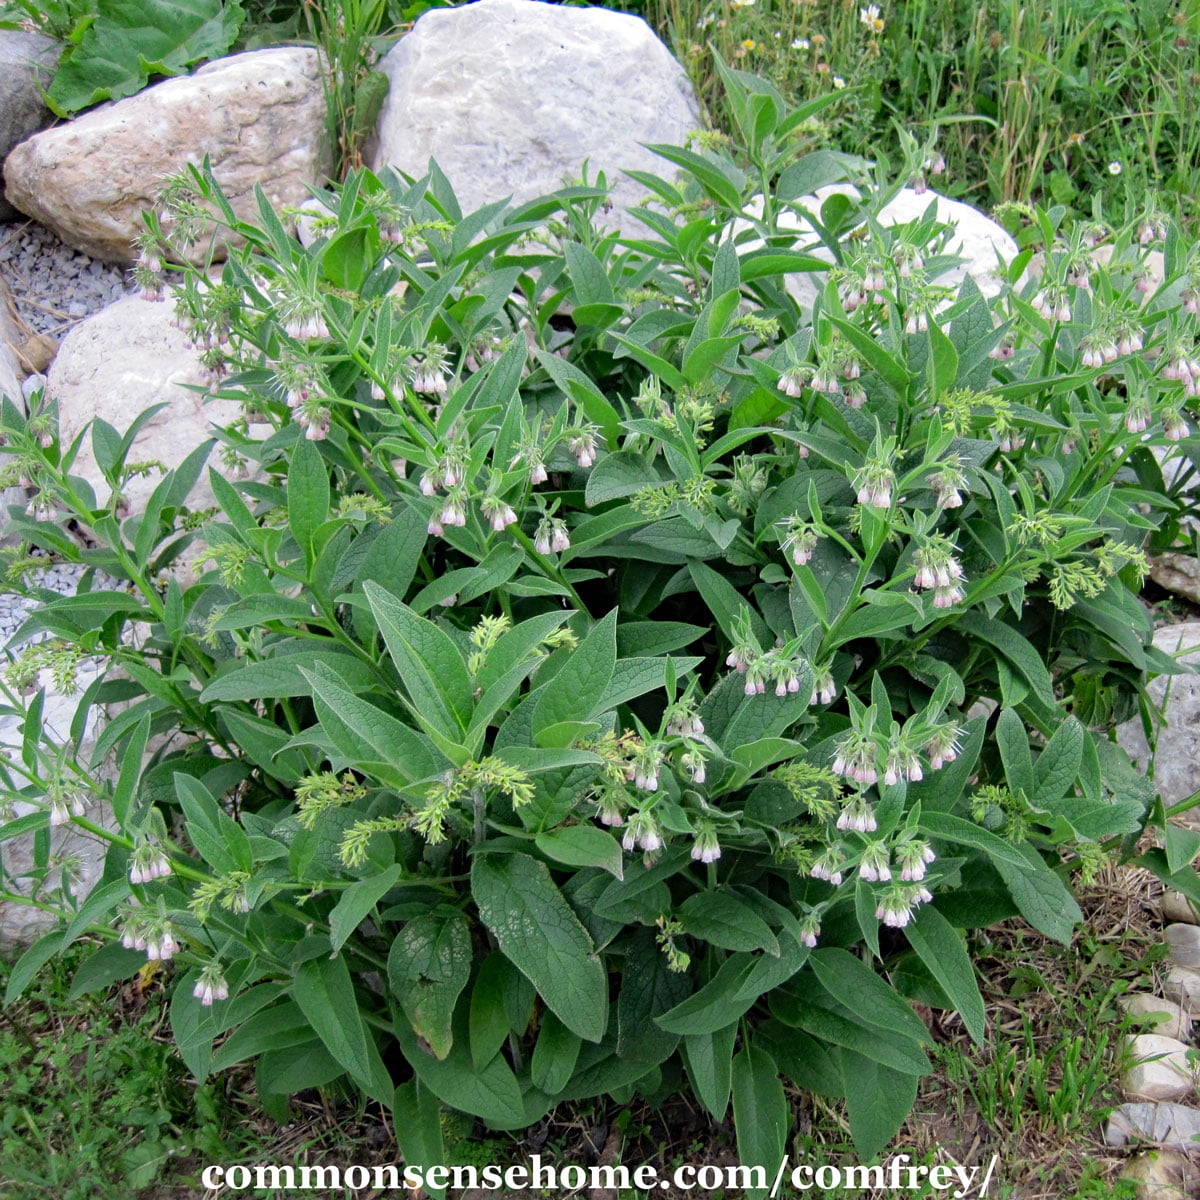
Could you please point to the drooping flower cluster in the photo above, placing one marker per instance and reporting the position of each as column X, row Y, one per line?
column 936, row 567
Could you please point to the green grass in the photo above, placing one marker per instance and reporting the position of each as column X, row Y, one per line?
column 95, row 1103
column 1029, row 99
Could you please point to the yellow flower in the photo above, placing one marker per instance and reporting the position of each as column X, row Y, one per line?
column 870, row 17
column 749, row 44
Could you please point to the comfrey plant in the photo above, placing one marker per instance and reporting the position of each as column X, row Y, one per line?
column 601, row 674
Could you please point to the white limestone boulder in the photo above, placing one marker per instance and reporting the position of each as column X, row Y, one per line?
column 120, row 361
column 981, row 244
column 27, row 62
column 1176, row 760
column 510, row 97
column 259, row 116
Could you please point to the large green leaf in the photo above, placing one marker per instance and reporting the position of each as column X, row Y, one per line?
column 942, row 951
column 877, row 1100
column 709, row 1061
column 325, row 994
column 417, row 1121
column 428, row 967
column 1044, row 900
column 760, row 1114
column 366, row 734
column 537, row 931
column 721, row 919
column 430, row 664
column 573, row 693
column 130, row 40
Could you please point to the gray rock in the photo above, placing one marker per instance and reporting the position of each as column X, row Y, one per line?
column 512, row 96
column 1177, row 907
column 1176, row 759
column 27, row 62
column 1158, row 1015
column 1184, row 941
column 1172, row 1125
column 1182, row 985
column 259, row 117
column 1162, row 1069
column 1162, row 1175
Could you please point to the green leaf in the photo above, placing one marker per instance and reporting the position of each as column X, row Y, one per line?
column 709, row 1061
column 722, row 1000
column 617, row 475
column 760, row 1114
column 130, row 40
column 392, row 559
column 192, row 1026
column 1013, row 741
column 809, row 1064
column 1057, row 766
column 1017, row 649
column 428, row 967
column 307, row 494
column 417, row 1123
column 131, row 771
column 275, row 1028
column 899, row 1052
column 724, row 601
column 323, row 990
column 721, row 919
column 488, row 1023
column 430, row 664
column 107, row 966
column 878, row 1099
column 357, row 902
column 220, row 840
column 30, row 963
column 295, row 1069
column 1044, row 900
column 756, row 755
column 855, row 986
column 890, row 369
column 258, row 610
column 274, row 678
column 723, row 181
column 649, row 988
column 942, row 951
column 366, row 734
column 942, row 363
column 583, row 846
column 967, row 833
column 491, row 1092
column 539, row 933
column 572, row 694
column 554, row 1056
